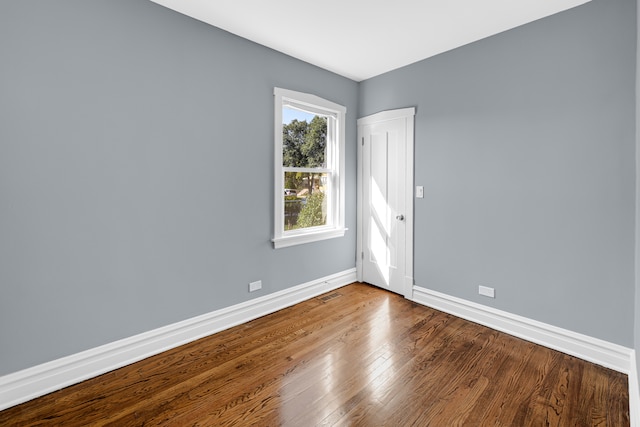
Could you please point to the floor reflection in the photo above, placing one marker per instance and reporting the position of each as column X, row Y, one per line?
column 319, row 386
column 383, row 366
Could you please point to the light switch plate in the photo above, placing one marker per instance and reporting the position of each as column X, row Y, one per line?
column 419, row 191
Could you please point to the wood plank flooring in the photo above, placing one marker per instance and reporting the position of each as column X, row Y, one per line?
column 358, row 356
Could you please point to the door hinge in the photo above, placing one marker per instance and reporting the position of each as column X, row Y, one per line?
column 363, row 140
column 361, row 255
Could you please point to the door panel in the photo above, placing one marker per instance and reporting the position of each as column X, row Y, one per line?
column 383, row 204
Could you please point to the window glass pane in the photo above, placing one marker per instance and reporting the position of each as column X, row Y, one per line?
column 304, row 139
column 305, row 204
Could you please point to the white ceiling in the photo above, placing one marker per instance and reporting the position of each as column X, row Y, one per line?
column 360, row 39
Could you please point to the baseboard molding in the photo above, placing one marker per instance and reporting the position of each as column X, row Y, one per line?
column 39, row 380
column 594, row 350
column 634, row 392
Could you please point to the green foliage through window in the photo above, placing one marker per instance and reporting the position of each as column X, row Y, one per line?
column 312, row 213
column 304, row 145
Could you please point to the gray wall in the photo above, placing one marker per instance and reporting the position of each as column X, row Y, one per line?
column 525, row 147
column 136, row 173
column 637, row 299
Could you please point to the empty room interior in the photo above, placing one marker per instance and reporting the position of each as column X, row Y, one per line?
column 485, row 273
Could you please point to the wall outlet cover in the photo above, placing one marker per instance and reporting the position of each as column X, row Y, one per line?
column 254, row 286
column 487, row 291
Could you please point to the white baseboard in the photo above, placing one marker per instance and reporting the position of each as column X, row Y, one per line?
column 634, row 393
column 594, row 350
column 39, row 380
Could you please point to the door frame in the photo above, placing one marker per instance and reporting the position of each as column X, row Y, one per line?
column 408, row 114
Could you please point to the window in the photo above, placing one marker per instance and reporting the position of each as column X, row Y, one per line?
column 309, row 168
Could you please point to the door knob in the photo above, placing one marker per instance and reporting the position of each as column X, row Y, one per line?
column 400, row 217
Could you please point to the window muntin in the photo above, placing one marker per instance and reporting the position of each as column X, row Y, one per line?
column 309, row 168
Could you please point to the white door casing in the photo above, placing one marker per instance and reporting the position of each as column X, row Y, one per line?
column 385, row 200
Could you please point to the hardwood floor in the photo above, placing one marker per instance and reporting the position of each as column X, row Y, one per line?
column 358, row 356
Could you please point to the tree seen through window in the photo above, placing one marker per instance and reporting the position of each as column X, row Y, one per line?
column 304, row 147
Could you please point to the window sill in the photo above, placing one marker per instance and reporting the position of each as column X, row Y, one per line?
column 299, row 239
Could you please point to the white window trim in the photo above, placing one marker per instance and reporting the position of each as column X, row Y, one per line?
column 311, row 103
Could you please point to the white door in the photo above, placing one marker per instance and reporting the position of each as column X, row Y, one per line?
column 386, row 214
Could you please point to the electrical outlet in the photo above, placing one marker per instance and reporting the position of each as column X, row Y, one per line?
column 487, row 291
column 254, row 286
